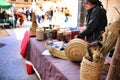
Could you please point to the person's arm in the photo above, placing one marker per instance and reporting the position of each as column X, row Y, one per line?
column 92, row 24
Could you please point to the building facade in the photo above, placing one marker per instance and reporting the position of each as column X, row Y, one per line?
column 26, row 3
column 112, row 6
column 113, row 9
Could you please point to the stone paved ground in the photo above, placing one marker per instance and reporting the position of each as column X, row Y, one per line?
column 12, row 65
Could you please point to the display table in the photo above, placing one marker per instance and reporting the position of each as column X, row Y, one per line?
column 50, row 68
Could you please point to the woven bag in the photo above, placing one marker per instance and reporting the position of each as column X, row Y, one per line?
column 91, row 70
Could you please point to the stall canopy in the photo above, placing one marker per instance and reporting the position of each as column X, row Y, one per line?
column 5, row 5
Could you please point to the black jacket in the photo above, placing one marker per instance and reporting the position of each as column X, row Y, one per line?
column 96, row 23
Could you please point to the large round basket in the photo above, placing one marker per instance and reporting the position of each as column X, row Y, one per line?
column 91, row 70
column 76, row 49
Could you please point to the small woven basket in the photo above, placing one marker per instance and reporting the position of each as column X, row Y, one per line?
column 91, row 70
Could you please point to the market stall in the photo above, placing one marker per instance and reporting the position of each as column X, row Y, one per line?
column 47, row 66
column 5, row 5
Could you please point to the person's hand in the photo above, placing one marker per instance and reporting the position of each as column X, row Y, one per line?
column 76, row 36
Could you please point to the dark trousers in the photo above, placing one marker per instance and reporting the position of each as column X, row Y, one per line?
column 111, row 53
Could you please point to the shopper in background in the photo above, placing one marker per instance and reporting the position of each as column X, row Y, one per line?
column 19, row 16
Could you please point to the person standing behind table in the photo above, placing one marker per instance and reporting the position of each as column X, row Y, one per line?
column 96, row 21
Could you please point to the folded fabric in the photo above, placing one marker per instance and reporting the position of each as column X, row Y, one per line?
column 74, row 33
column 29, row 69
column 24, row 43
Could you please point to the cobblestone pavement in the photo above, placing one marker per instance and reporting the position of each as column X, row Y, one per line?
column 12, row 65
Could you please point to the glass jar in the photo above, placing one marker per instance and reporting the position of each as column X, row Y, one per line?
column 40, row 34
column 60, row 36
column 67, row 36
column 54, row 33
column 47, row 34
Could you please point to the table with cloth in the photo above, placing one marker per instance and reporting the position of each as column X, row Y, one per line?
column 48, row 67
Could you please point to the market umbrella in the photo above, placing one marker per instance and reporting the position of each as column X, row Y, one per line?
column 5, row 5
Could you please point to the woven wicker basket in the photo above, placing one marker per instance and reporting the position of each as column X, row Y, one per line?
column 109, row 41
column 91, row 70
column 34, row 25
